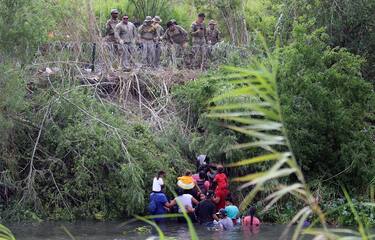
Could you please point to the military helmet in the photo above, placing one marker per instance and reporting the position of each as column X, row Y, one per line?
column 148, row 19
column 211, row 22
column 170, row 24
column 156, row 19
column 114, row 11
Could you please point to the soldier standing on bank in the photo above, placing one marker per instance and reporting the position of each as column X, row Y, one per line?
column 148, row 35
column 199, row 41
column 159, row 31
column 110, row 26
column 213, row 34
column 177, row 38
column 126, row 35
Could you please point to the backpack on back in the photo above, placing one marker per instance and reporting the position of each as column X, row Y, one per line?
column 152, row 207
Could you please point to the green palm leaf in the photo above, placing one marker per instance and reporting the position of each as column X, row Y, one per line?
column 5, row 233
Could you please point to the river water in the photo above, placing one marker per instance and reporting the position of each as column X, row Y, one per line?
column 135, row 231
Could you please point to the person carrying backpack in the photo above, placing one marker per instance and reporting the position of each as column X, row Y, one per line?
column 159, row 204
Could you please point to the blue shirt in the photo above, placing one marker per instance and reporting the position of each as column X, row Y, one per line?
column 160, row 200
column 232, row 211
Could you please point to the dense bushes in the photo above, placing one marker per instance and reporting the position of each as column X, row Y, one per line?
column 24, row 24
column 89, row 160
column 325, row 102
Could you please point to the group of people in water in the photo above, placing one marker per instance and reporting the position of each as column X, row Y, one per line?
column 150, row 40
column 204, row 196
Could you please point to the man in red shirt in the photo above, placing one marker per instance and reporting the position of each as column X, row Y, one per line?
column 221, row 191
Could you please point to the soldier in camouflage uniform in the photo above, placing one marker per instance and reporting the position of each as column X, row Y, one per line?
column 159, row 31
column 177, row 40
column 110, row 26
column 213, row 34
column 199, row 41
column 126, row 35
column 148, row 35
column 110, row 39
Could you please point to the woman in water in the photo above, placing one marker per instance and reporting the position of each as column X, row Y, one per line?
column 251, row 220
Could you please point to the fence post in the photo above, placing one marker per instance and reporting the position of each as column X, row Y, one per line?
column 93, row 57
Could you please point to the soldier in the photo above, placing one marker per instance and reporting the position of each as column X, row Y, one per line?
column 126, row 35
column 159, row 31
column 110, row 26
column 148, row 35
column 199, row 40
column 212, row 33
column 177, row 37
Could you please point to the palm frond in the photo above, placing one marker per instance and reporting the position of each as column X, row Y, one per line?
column 252, row 108
column 5, row 233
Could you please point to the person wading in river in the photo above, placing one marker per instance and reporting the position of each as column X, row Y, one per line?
column 159, row 204
column 158, row 182
column 184, row 201
column 250, row 220
column 232, row 211
column 206, row 211
column 221, row 191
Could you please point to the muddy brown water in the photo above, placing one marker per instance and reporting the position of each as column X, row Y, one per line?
column 115, row 231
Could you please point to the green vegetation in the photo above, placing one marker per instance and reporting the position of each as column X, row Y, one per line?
column 5, row 233
column 302, row 111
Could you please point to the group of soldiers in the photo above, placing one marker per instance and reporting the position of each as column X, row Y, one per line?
column 128, row 40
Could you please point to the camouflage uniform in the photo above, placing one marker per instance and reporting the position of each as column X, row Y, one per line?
column 148, row 34
column 110, row 39
column 110, row 30
column 126, row 34
column 159, row 32
column 213, row 36
column 177, row 39
column 199, row 40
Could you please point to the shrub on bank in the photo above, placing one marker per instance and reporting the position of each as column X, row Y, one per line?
column 89, row 161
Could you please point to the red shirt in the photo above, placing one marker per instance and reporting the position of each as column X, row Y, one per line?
column 221, row 180
column 221, row 193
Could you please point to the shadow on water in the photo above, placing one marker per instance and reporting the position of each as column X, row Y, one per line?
column 136, row 231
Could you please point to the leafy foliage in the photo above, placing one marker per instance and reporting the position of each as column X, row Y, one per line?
column 253, row 109
column 325, row 102
column 89, row 161
column 349, row 24
column 24, row 25
column 5, row 233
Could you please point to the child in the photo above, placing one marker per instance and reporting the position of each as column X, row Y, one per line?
column 232, row 211
column 158, row 182
column 251, row 220
column 225, row 223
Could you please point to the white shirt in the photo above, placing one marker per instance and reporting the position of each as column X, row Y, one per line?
column 156, row 184
column 184, row 200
